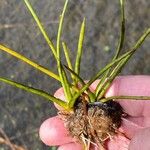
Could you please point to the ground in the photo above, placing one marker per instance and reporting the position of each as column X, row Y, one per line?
column 22, row 113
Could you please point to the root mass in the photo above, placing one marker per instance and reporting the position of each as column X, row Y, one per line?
column 94, row 122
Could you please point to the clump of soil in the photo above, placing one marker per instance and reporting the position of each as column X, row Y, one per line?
column 94, row 122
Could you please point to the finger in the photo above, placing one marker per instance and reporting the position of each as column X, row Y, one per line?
column 59, row 94
column 129, row 128
column 52, row 132
column 132, row 125
column 132, row 86
column 118, row 142
column 71, row 146
column 141, row 140
column 140, row 121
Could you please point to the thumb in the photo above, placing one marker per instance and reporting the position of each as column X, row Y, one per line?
column 141, row 140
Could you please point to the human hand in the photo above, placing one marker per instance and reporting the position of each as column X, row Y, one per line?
column 136, row 127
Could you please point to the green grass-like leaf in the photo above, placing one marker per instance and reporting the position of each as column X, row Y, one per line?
column 126, row 98
column 122, row 30
column 64, row 80
column 39, row 23
column 28, row 61
column 68, row 60
column 119, row 48
column 80, row 48
column 35, row 91
column 65, row 84
column 67, row 55
column 111, row 77
column 60, row 29
column 81, row 81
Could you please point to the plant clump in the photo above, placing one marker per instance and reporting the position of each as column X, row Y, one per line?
column 88, row 115
column 94, row 122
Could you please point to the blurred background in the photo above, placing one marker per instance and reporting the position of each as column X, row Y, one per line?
column 22, row 113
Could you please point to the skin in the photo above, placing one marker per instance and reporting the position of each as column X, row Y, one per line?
column 135, row 127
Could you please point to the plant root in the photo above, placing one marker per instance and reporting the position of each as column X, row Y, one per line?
column 93, row 123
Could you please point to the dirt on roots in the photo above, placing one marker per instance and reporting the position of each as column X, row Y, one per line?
column 93, row 122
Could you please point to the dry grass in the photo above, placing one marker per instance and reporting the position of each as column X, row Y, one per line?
column 4, row 140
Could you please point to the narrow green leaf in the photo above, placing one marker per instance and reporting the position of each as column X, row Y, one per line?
column 64, row 81
column 35, row 91
column 81, row 81
column 102, row 82
column 111, row 77
column 76, row 75
column 48, row 40
column 129, row 53
column 119, row 48
column 126, row 98
column 80, row 47
column 65, row 84
column 66, row 52
column 122, row 30
column 60, row 29
column 142, row 38
column 67, row 55
column 28, row 61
